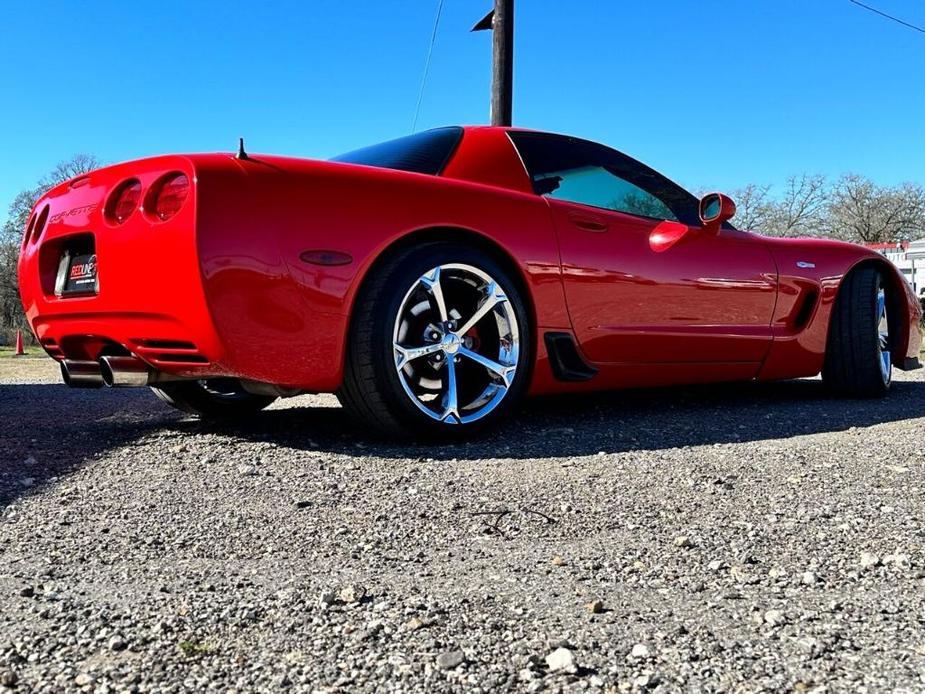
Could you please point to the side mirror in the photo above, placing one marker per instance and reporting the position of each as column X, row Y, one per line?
column 716, row 208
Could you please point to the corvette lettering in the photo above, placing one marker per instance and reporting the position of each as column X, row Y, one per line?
column 73, row 212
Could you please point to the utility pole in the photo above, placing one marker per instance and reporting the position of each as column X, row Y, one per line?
column 501, row 22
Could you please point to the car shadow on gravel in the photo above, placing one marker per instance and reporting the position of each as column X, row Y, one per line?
column 48, row 430
column 613, row 422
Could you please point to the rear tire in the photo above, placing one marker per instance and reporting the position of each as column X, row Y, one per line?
column 858, row 354
column 409, row 349
column 214, row 398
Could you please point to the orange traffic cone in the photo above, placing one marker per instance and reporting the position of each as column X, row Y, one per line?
column 19, row 349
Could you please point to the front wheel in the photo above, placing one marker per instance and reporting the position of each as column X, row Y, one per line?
column 212, row 398
column 858, row 359
column 439, row 345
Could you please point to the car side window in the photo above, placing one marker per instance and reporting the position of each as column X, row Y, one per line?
column 596, row 186
column 567, row 168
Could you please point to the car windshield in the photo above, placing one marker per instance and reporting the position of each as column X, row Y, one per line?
column 427, row 152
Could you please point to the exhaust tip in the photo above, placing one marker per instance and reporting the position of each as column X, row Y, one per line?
column 106, row 373
column 124, row 372
column 81, row 374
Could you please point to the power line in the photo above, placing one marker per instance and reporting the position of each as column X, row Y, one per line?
column 430, row 50
column 888, row 16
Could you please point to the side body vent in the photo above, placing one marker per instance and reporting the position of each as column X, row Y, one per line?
column 565, row 359
column 805, row 309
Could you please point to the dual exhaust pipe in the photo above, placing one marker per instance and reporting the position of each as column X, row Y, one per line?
column 113, row 372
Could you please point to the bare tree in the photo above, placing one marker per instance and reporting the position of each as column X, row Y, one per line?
column 753, row 207
column 799, row 211
column 860, row 210
column 70, row 168
column 11, row 315
column 802, row 208
column 853, row 208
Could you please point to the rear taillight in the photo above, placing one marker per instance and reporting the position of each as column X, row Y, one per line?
column 25, row 237
column 123, row 201
column 167, row 196
column 39, row 224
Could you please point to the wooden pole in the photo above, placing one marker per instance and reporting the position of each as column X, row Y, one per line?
column 502, row 68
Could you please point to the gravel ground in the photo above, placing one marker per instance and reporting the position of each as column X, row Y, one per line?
column 742, row 538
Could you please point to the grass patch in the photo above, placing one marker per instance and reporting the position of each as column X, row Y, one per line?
column 31, row 351
column 194, row 649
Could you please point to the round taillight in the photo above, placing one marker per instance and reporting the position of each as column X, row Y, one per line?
column 168, row 196
column 39, row 224
column 25, row 237
column 123, row 201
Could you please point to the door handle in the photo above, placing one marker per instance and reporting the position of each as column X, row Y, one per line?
column 588, row 223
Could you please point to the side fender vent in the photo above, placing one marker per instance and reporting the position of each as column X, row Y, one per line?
column 805, row 311
column 565, row 359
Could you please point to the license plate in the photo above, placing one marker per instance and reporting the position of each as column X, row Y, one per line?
column 81, row 275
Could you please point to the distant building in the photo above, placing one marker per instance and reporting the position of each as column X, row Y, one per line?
column 909, row 258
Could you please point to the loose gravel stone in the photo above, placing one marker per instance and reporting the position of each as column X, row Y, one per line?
column 414, row 624
column 450, row 660
column 775, row 618
column 561, row 660
column 352, row 592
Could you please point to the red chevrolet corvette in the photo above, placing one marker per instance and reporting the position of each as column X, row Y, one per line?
column 435, row 280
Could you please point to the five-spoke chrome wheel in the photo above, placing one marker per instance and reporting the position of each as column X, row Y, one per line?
column 456, row 343
column 883, row 337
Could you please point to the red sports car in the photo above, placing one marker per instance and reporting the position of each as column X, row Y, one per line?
column 435, row 280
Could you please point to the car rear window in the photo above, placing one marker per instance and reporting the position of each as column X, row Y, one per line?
column 427, row 152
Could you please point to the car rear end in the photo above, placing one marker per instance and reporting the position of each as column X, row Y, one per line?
column 108, row 270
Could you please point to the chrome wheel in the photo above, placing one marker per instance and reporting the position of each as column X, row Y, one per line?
column 456, row 343
column 883, row 337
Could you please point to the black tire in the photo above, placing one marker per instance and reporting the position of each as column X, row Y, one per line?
column 372, row 390
column 853, row 354
column 216, row 398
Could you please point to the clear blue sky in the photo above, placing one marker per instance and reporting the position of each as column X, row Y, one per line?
column 714, row 94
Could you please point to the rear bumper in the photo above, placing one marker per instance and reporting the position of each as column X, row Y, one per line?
column 164, row 342
column 149, row 300
column 206, row 293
